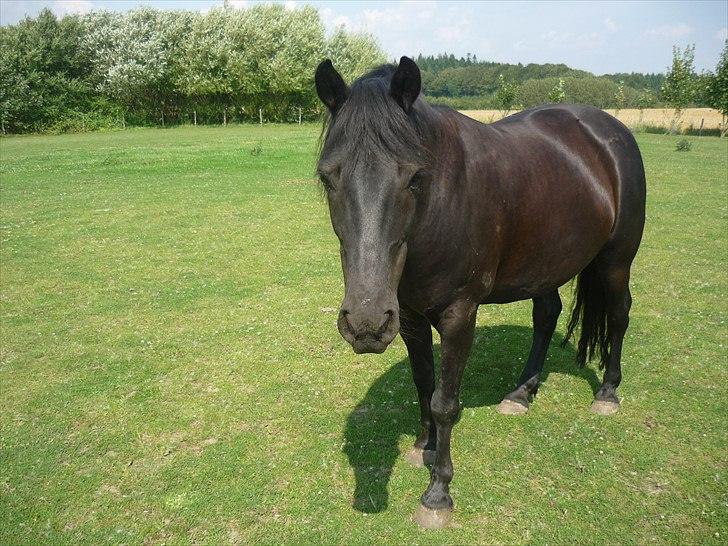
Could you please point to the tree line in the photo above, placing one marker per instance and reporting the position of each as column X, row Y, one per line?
column 466, row 82
column 159, row 67
column 149, row 66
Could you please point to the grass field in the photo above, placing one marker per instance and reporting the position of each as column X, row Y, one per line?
column 690, row 119
column 171, row 372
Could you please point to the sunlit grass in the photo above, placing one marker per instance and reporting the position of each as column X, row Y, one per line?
column 171, row 372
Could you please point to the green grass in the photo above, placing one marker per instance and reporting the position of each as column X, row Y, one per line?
column 171, row 371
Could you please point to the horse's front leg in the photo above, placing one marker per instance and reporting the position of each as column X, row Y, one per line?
column 416, row 332
column 456, row 326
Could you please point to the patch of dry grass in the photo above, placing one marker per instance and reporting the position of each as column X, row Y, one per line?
column 634, row 118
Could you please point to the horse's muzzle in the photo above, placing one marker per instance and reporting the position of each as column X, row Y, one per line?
column 369, row 332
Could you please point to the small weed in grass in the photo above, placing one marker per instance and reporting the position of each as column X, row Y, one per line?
column 683, row 145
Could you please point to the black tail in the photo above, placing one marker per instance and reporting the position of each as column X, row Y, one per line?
column 589, row 309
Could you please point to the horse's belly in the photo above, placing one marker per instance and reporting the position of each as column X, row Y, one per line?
column 538, row 261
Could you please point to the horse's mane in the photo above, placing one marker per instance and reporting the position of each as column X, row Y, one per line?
column 370, row 121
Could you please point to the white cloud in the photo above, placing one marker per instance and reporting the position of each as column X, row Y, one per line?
column 722, row 34
column 611, row 25
column 332, row 20
column 587, row 40
column 68, row 7
column 454, row 31
column 670, row 31
column 289, row 4
column 407, row 15
column 238, row 4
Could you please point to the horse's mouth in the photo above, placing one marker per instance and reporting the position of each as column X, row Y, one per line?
column 369, row 344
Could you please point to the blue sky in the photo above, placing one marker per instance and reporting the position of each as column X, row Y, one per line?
column 602, row 37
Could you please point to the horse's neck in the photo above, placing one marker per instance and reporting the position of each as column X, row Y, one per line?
column 449, row 156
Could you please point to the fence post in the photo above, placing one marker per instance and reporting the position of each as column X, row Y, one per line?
column 299, row 115
column 260, row 115
column 194, row 116
column 224, row 115
column 700, row 131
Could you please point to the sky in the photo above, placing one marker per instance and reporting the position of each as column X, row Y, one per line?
column 601, row 37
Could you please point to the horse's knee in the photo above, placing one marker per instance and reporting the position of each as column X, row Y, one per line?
column 444, row 408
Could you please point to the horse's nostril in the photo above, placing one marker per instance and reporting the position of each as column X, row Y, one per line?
column 344, row 321
column 387, row 319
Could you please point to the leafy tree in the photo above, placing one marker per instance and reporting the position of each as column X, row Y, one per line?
column 678, row 90
column 353, row 53
column 506, row 94
column 599, row 92
column 43, row 75
column 557, row 93
column 718, row 88
column 620, row 98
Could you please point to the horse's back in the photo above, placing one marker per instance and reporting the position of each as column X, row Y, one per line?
column 571, row 182
column 618, row 150
column 582, row 129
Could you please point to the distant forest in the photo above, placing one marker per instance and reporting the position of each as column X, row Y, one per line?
column 466, row 82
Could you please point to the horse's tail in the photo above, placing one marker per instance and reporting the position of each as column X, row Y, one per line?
column 589, row 309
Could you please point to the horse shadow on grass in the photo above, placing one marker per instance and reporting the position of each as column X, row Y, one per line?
column 389, row 409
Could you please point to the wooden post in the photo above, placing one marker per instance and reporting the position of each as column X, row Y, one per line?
column 260, row 115
column 299, row 115
column 700, row 131
column 194, row 116
column 224, row 115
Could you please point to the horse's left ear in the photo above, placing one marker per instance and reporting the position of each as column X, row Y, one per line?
column 406, row 83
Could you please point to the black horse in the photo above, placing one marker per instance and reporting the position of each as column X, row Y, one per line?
column 438, row 214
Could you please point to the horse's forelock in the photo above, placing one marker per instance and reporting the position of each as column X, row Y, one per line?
column 370, row 121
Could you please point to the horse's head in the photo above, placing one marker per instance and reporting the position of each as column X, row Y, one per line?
column 372, row 167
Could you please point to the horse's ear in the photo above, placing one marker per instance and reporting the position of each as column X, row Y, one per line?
column 406, row 83
column 330, row 86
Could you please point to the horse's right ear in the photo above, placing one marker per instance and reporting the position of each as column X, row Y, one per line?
column 330, row 86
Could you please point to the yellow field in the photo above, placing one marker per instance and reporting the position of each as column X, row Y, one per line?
column 632, row 117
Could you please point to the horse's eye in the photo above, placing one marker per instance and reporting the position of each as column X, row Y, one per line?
column 326, row 183
column 415, row 183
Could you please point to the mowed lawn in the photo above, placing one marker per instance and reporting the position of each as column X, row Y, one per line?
column 171, row 370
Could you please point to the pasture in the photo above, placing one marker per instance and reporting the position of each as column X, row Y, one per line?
column 171, row 370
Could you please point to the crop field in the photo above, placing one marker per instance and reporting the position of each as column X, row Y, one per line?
column 690, row 119
column 171, row 373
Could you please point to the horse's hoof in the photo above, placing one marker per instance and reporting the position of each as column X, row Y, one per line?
column 427, row 518
column 419, row 457
column 604, row 407
column 509, row 407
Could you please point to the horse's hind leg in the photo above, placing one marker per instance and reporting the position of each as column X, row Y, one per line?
column 618, row 300
column 546, row 310
column 417, row 335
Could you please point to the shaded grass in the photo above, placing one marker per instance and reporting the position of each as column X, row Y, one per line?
column 171, row 371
